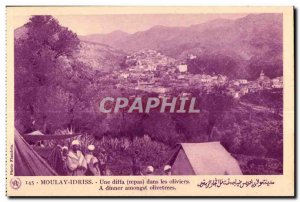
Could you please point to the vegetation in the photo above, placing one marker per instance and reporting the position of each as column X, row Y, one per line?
column 55, row 91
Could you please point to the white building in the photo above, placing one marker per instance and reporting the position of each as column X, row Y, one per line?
column 243, row 81
column 124, row 75
column 191, row 56
column 277, row 82
column 182, row 68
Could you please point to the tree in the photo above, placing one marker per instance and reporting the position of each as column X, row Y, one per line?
column 41, row 55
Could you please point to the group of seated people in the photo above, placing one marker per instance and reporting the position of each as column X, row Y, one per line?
column 76, row 163
column 79, row 164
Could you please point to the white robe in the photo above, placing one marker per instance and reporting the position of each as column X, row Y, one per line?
column 76, row 163
column 92, row 163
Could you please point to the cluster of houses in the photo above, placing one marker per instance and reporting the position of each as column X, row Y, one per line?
column 147, row 61
column 238, row 88
column 151, row 71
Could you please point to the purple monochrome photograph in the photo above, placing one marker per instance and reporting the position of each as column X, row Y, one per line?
column 148, row 94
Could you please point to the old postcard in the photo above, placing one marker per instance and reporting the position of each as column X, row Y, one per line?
column 150, row 101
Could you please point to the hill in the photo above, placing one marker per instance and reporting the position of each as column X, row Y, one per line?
column 111, row 39
column 100, row 56
column 249, row 44
column 96, row 55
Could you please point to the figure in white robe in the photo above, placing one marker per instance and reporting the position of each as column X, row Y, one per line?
column 92, row 162
column 76, row 161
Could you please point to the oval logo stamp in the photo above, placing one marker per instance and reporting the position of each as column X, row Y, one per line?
column 15, row 183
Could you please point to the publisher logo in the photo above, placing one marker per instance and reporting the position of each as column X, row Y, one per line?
column 15, row 183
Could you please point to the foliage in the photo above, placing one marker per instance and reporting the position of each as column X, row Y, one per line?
column 121, row 152
column 55, row 91
column 40, row 70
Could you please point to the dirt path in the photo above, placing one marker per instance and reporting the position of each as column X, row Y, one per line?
column 260, row 108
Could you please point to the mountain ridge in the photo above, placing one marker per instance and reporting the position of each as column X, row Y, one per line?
column 251, row 44
column 217, row 31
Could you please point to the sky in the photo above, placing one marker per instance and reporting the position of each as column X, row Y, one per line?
column 131, row 23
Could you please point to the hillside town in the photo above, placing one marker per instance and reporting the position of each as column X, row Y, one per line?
column 233, row 93
column 153, row 72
